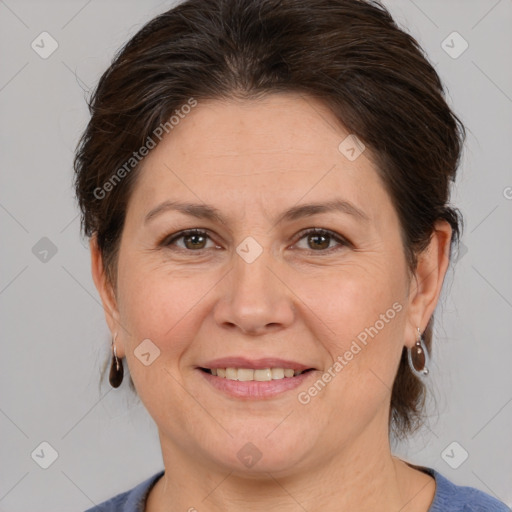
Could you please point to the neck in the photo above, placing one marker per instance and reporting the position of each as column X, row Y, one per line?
column 362, row 476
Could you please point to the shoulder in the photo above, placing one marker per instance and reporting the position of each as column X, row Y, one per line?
column 129, row 501
column 450, row 497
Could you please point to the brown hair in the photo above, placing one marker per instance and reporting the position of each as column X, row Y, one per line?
column 349, row 53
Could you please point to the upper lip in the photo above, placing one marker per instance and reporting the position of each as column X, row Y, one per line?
column 255, row 364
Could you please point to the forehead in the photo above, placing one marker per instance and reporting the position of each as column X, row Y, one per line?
column 288, row 124
column 273, row 150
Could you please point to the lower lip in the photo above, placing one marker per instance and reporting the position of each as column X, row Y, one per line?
column 255, row 389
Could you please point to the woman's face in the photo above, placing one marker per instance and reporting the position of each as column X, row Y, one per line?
column 254, row 290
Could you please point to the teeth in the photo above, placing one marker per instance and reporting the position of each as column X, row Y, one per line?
column 232, row 373
column 242, row 374
column 277, row 373
column 260, row 375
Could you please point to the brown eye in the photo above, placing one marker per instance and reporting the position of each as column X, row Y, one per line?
column 193, row 240
column 320, row 240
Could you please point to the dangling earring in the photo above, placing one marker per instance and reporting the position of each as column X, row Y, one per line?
column 418, row 357
column 116, row 368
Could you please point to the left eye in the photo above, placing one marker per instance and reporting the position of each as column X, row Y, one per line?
column 321, row 238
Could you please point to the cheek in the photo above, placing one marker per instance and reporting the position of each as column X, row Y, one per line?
column 161, row 305
column 354, row 298
column 163, row 308
column 358, row 314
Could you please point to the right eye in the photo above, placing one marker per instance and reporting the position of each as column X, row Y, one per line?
column 194, row 240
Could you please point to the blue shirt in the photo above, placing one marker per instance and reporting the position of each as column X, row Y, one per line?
column 448, row 497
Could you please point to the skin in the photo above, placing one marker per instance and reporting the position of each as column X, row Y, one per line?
column 300, row 300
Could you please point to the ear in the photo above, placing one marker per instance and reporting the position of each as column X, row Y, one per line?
column 106, row 292
column 427, row 281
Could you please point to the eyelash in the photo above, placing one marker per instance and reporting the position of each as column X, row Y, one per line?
column 167, row 242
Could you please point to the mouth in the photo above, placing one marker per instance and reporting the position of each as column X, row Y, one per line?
column 258, row 375
column 242, row 378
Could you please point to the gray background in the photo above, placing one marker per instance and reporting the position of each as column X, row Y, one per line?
column 55, row 338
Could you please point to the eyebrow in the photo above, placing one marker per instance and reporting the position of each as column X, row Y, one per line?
column 208, row 212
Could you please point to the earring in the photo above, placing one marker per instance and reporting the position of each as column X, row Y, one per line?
column 418, row 357
column 116, row 368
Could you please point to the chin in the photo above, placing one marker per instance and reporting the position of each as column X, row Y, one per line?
column 261, row 448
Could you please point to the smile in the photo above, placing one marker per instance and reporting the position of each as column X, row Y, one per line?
column 243, row 383
column 249, row 374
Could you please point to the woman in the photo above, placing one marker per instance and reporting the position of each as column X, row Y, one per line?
column 266, row 189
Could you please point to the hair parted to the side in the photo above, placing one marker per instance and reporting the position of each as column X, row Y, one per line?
column 349, row 53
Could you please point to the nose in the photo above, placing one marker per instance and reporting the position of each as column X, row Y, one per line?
column 255, row 297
